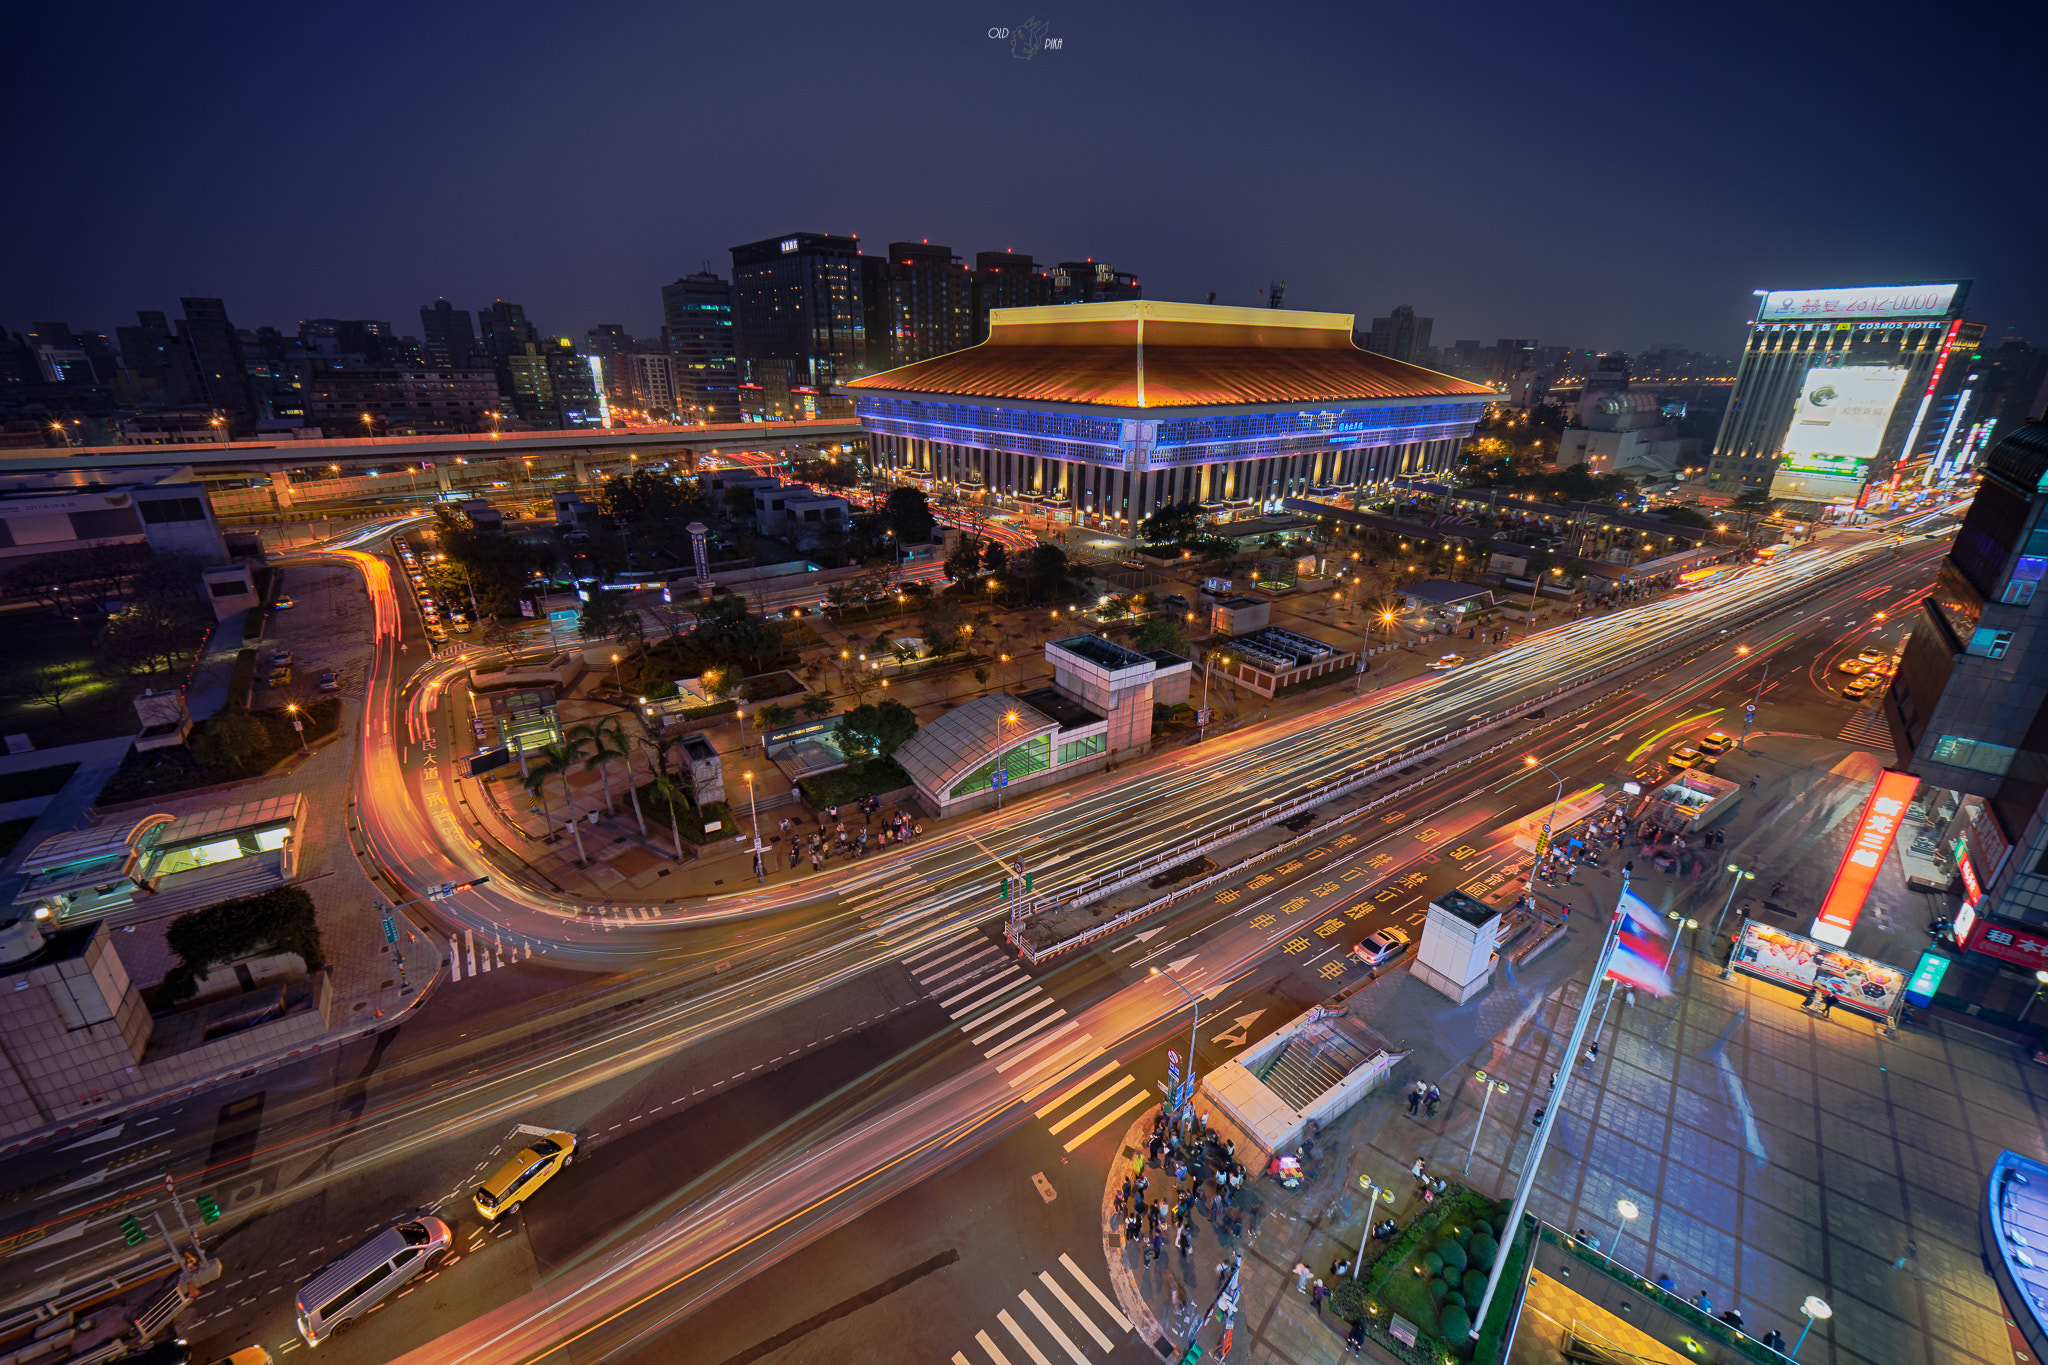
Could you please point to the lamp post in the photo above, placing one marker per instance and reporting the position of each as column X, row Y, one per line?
column 754, row 817
column 220, row 430
column 1543, row 844
column 617, row 686
column 1208, row 669
column 1490, row 1085
column 1740, row 877
column 299, row 726
column 1749, row 711
column 1815, row 1309
column 2040, row 984
column 1194, row 1022
column 996, row 762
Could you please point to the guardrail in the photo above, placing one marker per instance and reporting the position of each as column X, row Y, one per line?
column 1087, row 892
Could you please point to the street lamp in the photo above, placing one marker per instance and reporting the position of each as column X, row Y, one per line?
column 1543, row 844
column 1208, row 670
column 1815, row 1309
column 219, row 425
column 617, row 686
column 2040, row 984
column 754, row 816
column 996, row 763
column 1740, row 878
column 1193, row 1022
column 298, row 725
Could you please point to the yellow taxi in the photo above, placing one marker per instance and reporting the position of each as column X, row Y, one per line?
column 531, row 1167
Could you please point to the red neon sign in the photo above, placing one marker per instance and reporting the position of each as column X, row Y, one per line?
column 1872, row 839
column 1972, row 892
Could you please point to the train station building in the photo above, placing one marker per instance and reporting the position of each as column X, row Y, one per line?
column 1099, row 414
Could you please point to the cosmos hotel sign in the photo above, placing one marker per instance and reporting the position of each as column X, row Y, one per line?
column 1859, row 305
column 1871, row 839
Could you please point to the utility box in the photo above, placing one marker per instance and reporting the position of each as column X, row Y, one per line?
column 1459, row 938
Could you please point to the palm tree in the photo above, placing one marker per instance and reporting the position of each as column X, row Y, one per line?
column 671, row 793
column 607, row 740
column 558, row 760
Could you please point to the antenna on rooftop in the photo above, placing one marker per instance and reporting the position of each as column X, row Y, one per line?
column 1275, row 292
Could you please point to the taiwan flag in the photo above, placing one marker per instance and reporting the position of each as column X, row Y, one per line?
column 1643, row 949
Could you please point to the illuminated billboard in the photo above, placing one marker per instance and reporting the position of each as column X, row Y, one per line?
column 1868, row 843
column 1841, row 418
column 1859, row 305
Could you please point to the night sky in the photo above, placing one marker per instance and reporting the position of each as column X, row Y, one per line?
column 1607, row 176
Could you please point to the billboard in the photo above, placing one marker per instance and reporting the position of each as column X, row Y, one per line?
column 1871, row 839
column 1840, row 419
column 1859, row 305
column 1859, row 983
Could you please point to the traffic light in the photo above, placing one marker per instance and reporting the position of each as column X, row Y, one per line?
column 209, row 1208
column 131, row 1231
column 1027, row 882
column 1003, row 888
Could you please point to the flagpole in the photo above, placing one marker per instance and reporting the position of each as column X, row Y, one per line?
column 1556, row 1104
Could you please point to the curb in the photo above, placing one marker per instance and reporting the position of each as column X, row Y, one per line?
column 1124, row 1284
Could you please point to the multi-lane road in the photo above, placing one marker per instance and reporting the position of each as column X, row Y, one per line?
column 899, row 1091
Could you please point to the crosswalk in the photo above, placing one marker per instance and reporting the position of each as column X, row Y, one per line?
column 1081, row 1302
column 1865, row 728
column 1032, row 1041
column 467, row 957
column 619, row 916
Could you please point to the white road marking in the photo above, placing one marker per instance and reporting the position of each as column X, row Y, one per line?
column 1052, row 1287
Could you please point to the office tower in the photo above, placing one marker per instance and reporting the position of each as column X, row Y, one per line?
column 1006, row 279
column 218, row 365
column 697, row 324
column 158, row 365
column 1401, row 335
column 919, row 301
column 797, row 301
column 450, row 339
column 1841, row 390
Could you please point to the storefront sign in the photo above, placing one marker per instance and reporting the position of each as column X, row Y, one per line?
column 1965, row 920
column 1926, row 979
column 1872, row 838
column 2008, row 944
column 1858, row 983
column 1972, row 892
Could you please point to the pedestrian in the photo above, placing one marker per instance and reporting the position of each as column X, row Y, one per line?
column 1158, row 1214
column 1222, row 1273
column 1187, row 1242
column 1301, row 1274
column 1703, row 1303
column 1155, row 1250
column 1416, row 1169
column 1434, row 1097
column 1141, row 1184
column 1912, row 1250
column 1666, row 1283
column 1316, row 1293
column 1414, row 1098
column 1356, row 1340
column 1752, row 782
column 1827, row 1003
column 1123, row 1196
column 1133, row 1229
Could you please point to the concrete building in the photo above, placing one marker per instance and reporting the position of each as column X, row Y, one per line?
column 919, row 303
column 74, row 1026
column 1006, row 279
column 230, row 588
column 399, row 402
column 450, row 337
column 164, row 508
column 1099, row 415
column 1271, row 660
column 797, row 301
column 1092, row 281
column 697, row 323
column 1625, row 432
column 1840, row 389
column 799, row 515
column 1401, row 336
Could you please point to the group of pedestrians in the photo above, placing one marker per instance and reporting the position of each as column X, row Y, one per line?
column 1422, row 1096
column 1189, row 1157
column 832, row 839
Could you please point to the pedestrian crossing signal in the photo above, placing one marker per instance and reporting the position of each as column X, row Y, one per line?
column 209, row 1208
column 131, row 1231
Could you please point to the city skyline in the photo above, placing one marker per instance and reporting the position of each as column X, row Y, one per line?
column 1452, row 206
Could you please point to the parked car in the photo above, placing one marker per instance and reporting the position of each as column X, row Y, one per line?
column 279, row 677
column 329, row 683
column 1380, row 946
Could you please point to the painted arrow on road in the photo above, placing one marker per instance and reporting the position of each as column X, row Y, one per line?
column 1236, row 1035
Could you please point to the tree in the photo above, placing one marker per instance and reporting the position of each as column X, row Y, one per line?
column 607, row 617
column 876, row 731
column 1173, row 524
column 994, row 558
column 1539, row 562
column 1755, row 500
column 910, row 516
column 942, row 620
column 1159, row 632
column 1686, row 516
column 815, row 706
column 646, row 498
column 281, row 920
column 981, row 675
column 965, row 561
column 720, row 683
column 558, row 760
column 43, row 686
column 230, row 739
column 602, row 740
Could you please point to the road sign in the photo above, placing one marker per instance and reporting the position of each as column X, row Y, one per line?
column 556, row 618
column 480, row 763
column 390, row 930
column 1001, row 778
column 1202, row 718
column 1749, row 709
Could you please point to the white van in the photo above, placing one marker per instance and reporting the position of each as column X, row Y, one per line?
column 363, row 1278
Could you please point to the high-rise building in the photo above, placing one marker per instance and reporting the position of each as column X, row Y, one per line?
column 1006, row 279
column 657, row 383
column 158, row 364
column 1841, row 390
column 218, row 365
column 919, row 301
column 1092, row 281
column 506, row 332
column 797, row 300
column 345, row 399
column 1968, row 714
column 2015, row 389
column 697, row 324
column 1401, row 335
column 371, row 340
column 449, row 337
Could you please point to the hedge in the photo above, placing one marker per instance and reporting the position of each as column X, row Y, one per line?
column 849, row 784
column 280, row 920
column 35, row 782
column 242, row 678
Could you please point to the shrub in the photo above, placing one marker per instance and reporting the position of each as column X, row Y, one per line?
column 1474, row 1285
column 1438, row 1290
column 1348, row 1300
column 1453, row 1254
column 277, row 921
column 1448, row 1300
column 1483, row 1250
column 1454, row 1326
column 1433, row 1263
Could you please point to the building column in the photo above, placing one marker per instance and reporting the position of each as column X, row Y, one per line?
column 582, row 475
column 281, row 490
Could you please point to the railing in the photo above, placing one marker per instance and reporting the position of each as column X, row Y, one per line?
column 1093, row 889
